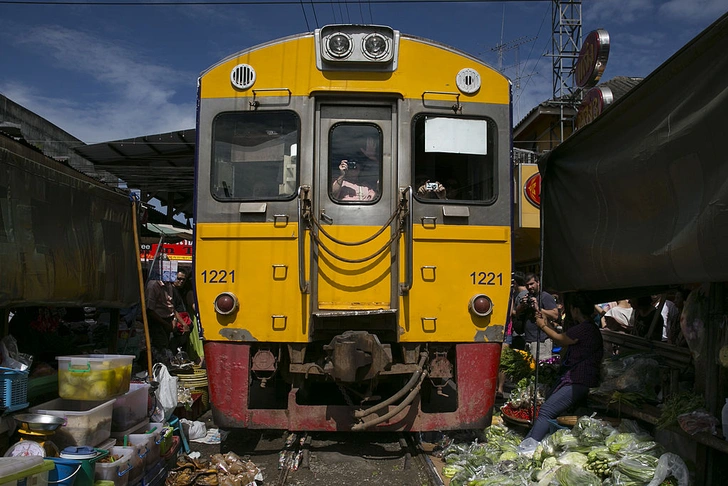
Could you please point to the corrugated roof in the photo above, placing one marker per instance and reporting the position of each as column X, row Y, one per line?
column 160, row 165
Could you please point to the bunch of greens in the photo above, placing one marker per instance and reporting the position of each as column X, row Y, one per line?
column 676, row 405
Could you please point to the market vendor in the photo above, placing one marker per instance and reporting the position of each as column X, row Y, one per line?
column 580, row 366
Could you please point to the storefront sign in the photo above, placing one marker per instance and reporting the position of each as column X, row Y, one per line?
column 592, row 59
column 593, row 104
column 173, row 252
column 532, row 190
column 529, row 202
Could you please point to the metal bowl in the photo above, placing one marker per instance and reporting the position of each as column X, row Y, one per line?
column 38, row 421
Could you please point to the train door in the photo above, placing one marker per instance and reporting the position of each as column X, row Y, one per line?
column 355, row 198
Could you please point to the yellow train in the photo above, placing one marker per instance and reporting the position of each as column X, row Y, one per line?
column 353, row 232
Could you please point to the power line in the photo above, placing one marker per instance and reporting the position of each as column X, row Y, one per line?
column 157, row 3
column 305, row 17
column 315, row 17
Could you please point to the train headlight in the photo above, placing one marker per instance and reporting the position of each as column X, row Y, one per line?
column 481, row 305
column 339, row 45
column 226, row 303
column 375, row 46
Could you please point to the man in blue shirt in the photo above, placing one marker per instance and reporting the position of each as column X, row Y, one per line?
column 536, row 300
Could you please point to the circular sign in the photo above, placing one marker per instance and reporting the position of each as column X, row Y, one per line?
column 532, row 189
column 592, row 59
column 594, row 102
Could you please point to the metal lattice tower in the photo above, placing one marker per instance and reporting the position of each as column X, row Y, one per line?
column 565, row 47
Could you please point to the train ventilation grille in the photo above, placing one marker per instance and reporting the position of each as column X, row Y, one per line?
column 242, row 76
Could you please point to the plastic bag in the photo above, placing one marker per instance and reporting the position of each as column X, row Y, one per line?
column 194, row 429
column 698, row 421
column 528, row 446
column 670, row 465
column 166, row 393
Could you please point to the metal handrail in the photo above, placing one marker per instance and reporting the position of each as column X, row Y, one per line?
column 408, row 242
column 303, row 285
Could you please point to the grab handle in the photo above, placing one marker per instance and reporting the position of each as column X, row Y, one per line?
column 405, row 286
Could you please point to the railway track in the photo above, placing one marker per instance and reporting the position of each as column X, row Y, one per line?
column 336, row 459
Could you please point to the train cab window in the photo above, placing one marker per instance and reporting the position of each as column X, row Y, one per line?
column 453, row 159
column 355, row 163
column 255, row 156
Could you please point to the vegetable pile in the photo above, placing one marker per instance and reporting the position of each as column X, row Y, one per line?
column 520, row 404
column 591, row 453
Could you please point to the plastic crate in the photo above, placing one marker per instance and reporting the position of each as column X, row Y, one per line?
column 86, row 423
column 131, row 408
column 94, row 376
column 13, row 389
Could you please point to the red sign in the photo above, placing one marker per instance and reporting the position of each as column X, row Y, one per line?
column 173, row 251
column 594, row 102
column 532, row 189
column 592, row 59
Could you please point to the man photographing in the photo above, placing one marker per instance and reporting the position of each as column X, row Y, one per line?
column 526, row 316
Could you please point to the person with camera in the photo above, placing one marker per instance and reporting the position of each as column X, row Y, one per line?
column 432, row 190
column 349, row 186
column 524, row 322
column 580, row 366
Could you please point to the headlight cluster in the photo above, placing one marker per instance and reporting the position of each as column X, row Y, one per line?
column 341, row 45
column 367, row 47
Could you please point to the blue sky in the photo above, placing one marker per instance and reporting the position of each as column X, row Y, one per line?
column 109, row 72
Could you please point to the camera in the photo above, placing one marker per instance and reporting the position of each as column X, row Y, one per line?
column 527, row 300
column 351, row 164
column 431, row 186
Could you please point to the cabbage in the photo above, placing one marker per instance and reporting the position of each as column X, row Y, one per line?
column 508, row 456
column 570, row 475
column 574, row 458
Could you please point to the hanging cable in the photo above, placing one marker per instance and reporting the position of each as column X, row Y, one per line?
column 308, row 28
column 315, row 17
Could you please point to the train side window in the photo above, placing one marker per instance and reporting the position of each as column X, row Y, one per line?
column 255, row 156
column 453, row 159
column 355, row 163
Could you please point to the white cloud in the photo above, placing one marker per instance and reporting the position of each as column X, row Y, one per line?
column 615, row 11
column 694, row 10
column 138, row 96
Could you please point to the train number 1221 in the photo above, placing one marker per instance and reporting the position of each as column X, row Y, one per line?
column 218, row 276
column 487, row 278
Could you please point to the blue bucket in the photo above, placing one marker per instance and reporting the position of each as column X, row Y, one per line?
column 66, row 472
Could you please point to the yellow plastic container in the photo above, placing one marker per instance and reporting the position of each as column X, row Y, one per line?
column 94, row 376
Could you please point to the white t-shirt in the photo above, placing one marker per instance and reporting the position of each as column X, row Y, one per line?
column 623, row 315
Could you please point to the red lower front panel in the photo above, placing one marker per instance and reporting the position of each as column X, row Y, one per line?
column 228, row 375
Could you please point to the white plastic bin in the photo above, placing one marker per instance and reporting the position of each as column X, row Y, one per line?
column 117, row 471
column 131, row 408
column 138, row 457
column 87, row 423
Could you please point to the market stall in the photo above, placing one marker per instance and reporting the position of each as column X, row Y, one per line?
column 632, row 205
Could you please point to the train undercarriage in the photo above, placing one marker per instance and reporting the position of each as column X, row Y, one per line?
column 352, row 382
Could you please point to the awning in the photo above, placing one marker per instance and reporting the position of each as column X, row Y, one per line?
column 168, row 230
column 160, row 165
column 639, row 198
